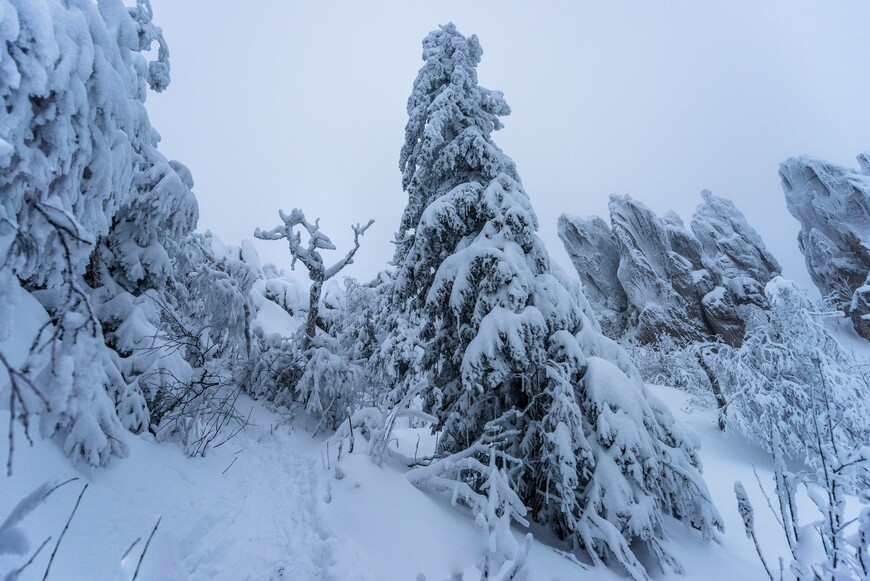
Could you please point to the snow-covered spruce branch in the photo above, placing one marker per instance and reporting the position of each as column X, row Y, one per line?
column 70, row 315
column 310, row 255
column 495, row 507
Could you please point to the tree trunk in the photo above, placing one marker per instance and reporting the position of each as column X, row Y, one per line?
column 93, row 272
column 717, row 389
column 311, row 327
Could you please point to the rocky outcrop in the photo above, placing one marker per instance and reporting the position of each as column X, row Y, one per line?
column 594, row 252
column 651, row 277
column 832, row 204
column 734, row 247
column 739, row 262
column 659, row 282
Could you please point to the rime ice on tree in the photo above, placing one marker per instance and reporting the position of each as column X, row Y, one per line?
column 508, row 357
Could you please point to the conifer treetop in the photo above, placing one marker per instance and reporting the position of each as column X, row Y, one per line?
column 450, row 121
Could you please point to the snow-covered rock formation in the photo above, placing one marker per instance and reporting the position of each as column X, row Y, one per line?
column 738, row 262
column 832, row 204
column 594, row 252
column 658, row 281
column 651, row 277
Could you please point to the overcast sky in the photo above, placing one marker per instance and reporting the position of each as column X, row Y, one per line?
column 281, row 104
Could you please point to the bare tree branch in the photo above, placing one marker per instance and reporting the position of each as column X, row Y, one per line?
column 310, row 256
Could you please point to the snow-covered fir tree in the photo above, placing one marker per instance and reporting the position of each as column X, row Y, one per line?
column 447, row 137
column 502, row 348
column 97, row 226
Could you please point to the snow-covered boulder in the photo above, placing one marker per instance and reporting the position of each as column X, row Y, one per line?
column 733, row 247
column 832, row 204
column 859, row 309
column 739, row 262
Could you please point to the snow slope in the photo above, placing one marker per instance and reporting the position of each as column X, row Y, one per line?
column 249, row 510
column 265, row 506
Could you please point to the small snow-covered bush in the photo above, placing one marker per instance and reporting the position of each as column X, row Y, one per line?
column 843, row 545
column 327, row 374
column 666, row 362
column 330, row 384
column 788, row 372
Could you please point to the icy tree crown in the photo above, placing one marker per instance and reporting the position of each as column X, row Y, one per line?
column 450, row 120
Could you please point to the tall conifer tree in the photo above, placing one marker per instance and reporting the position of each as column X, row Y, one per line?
column 503, row 351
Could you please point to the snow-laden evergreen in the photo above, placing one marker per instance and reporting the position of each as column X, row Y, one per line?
column 98, row 226
column 502, row 349
column 447, row 137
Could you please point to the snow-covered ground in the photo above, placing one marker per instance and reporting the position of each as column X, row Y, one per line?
column 266, row 506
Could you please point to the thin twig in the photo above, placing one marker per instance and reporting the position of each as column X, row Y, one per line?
column 127, row 552
column 73, row 479
column 767, row 498
column 234, row 434
column 230, row 466
column 145, row 550
column 14, row 574
column 63, row 532
column 350, row 423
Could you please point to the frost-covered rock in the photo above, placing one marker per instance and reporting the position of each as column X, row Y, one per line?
column 733, row 248
column 738, row 261
column 594, row 251
column 658, row 281
column 859, row 309
column 832, row 204
column 688, row 286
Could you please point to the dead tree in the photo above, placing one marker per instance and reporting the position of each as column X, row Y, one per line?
column 310, row 256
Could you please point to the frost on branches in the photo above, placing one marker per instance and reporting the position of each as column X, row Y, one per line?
column 320, row 372
column 788, row 373
column 97, row 226
column 506, row 357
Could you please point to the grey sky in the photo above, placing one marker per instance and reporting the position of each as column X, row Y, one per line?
column 276, row 104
